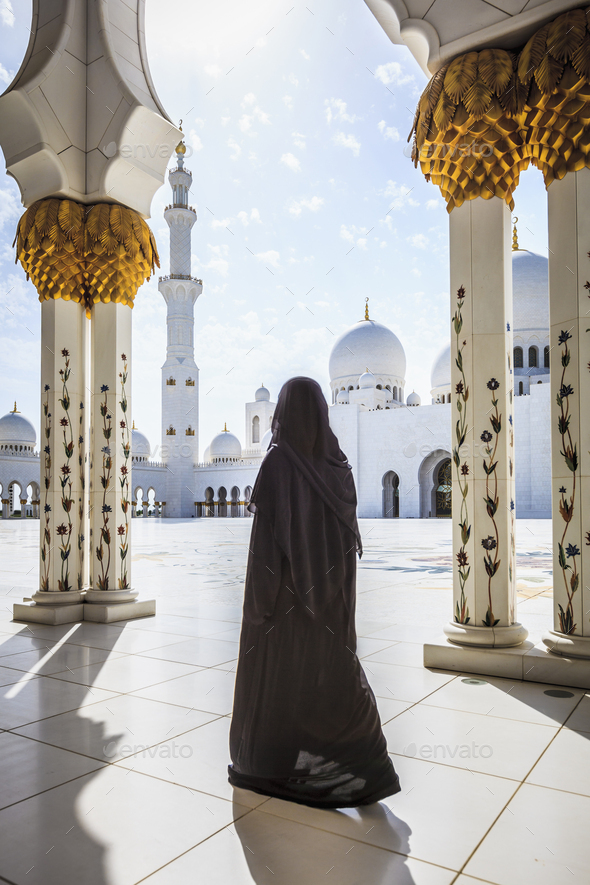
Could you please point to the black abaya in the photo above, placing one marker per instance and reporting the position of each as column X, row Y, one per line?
column 305, row 725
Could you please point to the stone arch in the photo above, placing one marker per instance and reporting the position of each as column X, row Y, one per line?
column 428, row 480
column 15, row 492
column 209, row 503
column 222, row 501
column 255, row 429
column 390, row 495
column 235, row 501
column 533, row 357
column 443, row 489
column 247, row 497
column 518, row 358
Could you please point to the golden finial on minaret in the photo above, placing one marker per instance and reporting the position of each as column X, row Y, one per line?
column 225, row 430
column 15, row 411
column 514, row 235
column 366, row 308
column 134, row 427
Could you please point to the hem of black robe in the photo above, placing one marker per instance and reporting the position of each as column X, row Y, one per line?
column 282, row 789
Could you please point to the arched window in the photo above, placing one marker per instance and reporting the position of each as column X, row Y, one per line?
column 533, row 357
column 209, row 508
column 222, row 501
column 394, row 392
column 443, row 489
column 379, row 387
column 520, row 388
column 255, row 429
column 546, row 356
column 235, row 502
column 518, row 360
column 390, row 495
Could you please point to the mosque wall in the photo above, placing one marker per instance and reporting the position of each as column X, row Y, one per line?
column 532, row 455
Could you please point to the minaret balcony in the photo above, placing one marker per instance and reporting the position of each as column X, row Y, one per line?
column 180, row 276
column 181, row 206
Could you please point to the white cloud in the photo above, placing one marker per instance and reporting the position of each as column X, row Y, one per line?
column 244, row 123
column 388, row 132
column 416, row 272
column 362, row 243
column 314, row 205
column 299, row 140
column 304, row 54
column 336, row 110
column 212, row 70
column 225, row 121
column 271, row 257
column 218, row 262
column 291, row 162
column 255, row 216
column 194, row 141
column 261, row 116
column 347, row 141
column 6, row 14
column 346, row 234
column 235, row 147
column 434, row 204
column 419, row 240
column 401, row 193
column 199, row 121
column 248, row 99
column 220, row 222
column 393, row 72
column 288, row 101
column 5, row 76
column 292, row 79
column 246, row 219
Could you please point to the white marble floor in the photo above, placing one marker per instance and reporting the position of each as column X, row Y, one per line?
column 113, row 739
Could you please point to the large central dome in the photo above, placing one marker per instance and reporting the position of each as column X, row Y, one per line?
column 368, row 345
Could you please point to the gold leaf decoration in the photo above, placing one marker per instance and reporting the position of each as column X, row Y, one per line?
column 85, row 253
column 498, row 111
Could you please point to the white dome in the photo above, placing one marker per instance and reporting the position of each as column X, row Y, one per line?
column 371, row 344
column 225, row 445
column 140, row 446
column 367, row 380
column 530, row 286
column 266, row 441
column 440, row 375
column 262, row 394
column 413, row 399
column 342, row 397
column 15, row 429
column 207, row 455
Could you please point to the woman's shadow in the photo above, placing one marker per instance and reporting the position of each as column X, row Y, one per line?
column 308, row 848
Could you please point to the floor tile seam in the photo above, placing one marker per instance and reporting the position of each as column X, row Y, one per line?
column 351, row 838
column 193, row 790
column 142, row 655
column 473, row 771
column 528, row 783
column 173, row 704
column 476, row 879
column 532, row 768
column 69, row 669
column 101, row 648
column 407, row 700
column 192, row 847
column 62, row 712
column 489, row 715
column 196, row 669
column 55, row 786
column 106, row 762
column 581, row 698
column 366, row 660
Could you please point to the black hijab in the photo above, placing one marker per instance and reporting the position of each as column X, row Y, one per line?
column 306, row 489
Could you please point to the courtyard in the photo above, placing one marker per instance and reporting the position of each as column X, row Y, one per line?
column 106, row 726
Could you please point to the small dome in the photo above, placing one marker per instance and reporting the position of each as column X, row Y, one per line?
column 440, row 375
column 266, row 441
column 413, row 399
column 225, row 446
column 368, row 343
column 15, row 429
column 367, row 380
column 262, row 395
column 342, row 397
column 140, row 446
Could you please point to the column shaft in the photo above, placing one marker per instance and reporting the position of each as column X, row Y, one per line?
column 482, row 426
column 110, row 493
column 569, row 302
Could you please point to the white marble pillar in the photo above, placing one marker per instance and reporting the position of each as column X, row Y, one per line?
column 110, row 467
column 482, row 427
column 63, row 404
column 23, row 508
column 569, row 293
column 145, row 505
column 5, row 505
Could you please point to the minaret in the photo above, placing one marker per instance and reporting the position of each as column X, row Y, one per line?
column 180, row 375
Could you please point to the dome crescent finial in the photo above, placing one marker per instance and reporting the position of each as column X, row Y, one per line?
column 15, row 411
column 367, row 308
column 514, row 235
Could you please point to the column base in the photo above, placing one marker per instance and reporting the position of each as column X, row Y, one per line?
column 486, row 637
column 52, row 614
column 569, row 646
column 111, row 596
column 107, row 613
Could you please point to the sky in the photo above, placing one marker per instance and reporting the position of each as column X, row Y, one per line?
column 296, row 119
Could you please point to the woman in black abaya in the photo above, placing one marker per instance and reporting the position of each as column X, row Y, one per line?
column 305, row 725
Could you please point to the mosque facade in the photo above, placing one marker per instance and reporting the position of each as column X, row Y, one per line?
column 399, row 448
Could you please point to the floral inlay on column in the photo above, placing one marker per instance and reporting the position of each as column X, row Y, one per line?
column 64, row 530
column 123, row 529
column 104, row 555
column 490, row 544
column 462, row 470
column 46, row 545
column 566, row 507
column 81, row 505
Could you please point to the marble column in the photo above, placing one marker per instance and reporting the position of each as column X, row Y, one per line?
column 482, row 427
column 5, row 505
column 110, row 462
column 23, row 507
column 63, row 405
column 569, row 311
